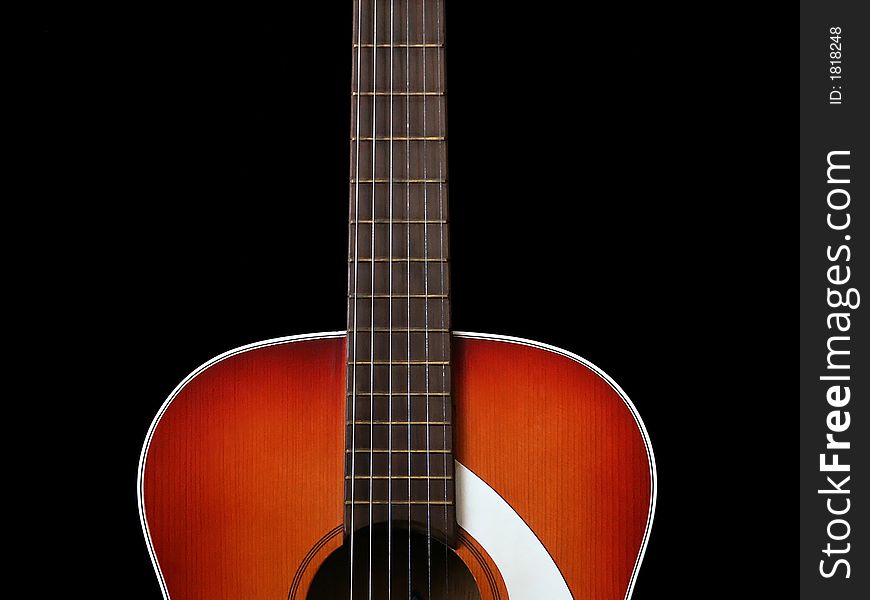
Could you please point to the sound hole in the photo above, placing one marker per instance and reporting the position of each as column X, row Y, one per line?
column 438, row 570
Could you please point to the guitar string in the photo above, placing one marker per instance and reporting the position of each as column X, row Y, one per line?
column 445, row 337
column 408, row 256
column 426, row 314
column 390, row 334
column 355, row 294
column 372, row 289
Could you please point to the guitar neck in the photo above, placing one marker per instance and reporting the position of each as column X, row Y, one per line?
column 399, row 411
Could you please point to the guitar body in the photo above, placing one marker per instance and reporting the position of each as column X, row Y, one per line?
column 241, row 476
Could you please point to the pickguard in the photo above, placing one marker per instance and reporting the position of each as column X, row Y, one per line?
column 528, row 570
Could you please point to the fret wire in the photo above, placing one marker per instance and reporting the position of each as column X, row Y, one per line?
column 354, row 313
column 439, row 477
column 441, row 215
column 426, row 339
column 371, row 351
column 403, row 502
column 399, row 181
column 398, row 260
column 400, row 296
column 399, row 394
column 407, row 282
column 401, row 397
column 405, row 451
column 377, row 93
column 402, row 329
column 430, row 138
column 399, row 362
column 372, row 399
column 398, row 45
column 430, row 423
column 397, row 222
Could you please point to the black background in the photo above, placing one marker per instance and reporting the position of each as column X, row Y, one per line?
column 613, row 192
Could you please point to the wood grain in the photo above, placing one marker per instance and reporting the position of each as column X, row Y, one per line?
column 245, row 471
column 560, row 445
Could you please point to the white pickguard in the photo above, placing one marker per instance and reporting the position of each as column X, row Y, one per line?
column 527, row 568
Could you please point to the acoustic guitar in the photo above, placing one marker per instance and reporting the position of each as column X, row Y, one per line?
column 398, row 459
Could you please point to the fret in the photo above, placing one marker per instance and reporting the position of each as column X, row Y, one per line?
column 434, row 400
column 397, row 93
column 383, row 400
column 398, row 259
column 416, row 335
column 398, row 45
column 406, row 477
column 386, row 180
column 399, row 397
column 406, row 424
column 402, row 330
column 429, row 138
column 398, row 256
column 400, row 362
column 399, row 393
column 399, row 451
column 370, row 296
column 404, row 259
column 396, row 222
column 399, row 423
column 367, row 502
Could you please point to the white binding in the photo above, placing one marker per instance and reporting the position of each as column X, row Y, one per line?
column 336, row 334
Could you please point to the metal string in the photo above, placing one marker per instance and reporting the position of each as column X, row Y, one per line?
column 372, row 334
column 390, row 334
column 408, row 256
column 445, row 336
column 356, row 217
column 426, row 315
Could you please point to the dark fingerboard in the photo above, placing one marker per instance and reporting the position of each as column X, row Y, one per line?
column 399, row 462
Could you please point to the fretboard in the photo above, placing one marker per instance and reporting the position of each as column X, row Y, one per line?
column 399, row 463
